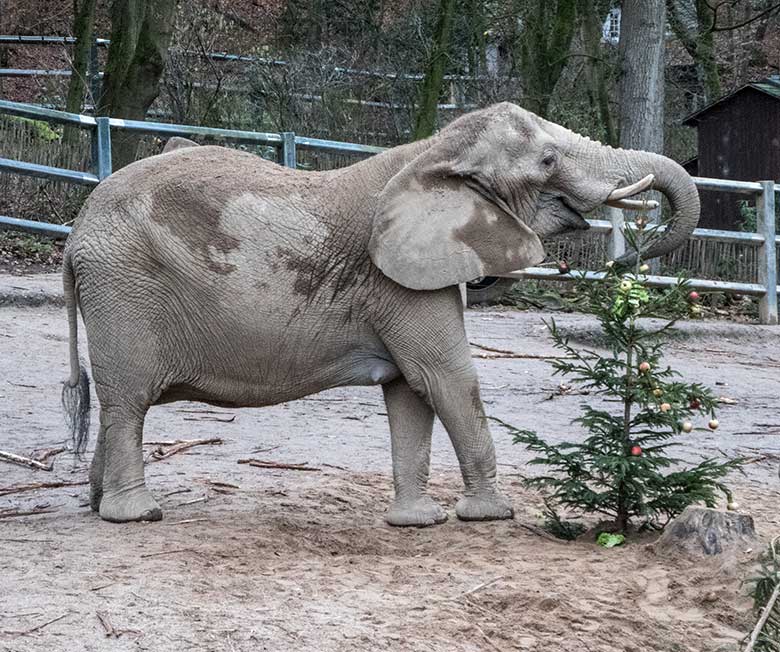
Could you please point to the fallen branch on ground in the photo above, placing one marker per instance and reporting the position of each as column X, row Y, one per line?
column 104, row 620
column 4, row 491
column 223, row 485
column 111, row 631
column 166, row 552
column 202, row 499
column 504, row 353
column 764, row 637
column 24, row 632
column 11, row 513
column 25, row 461
column 540, row 532
column 160, row 453
column 266, row 464
column 44, row 454
column 479, row 587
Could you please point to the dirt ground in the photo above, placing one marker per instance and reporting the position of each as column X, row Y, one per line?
column 293, row 560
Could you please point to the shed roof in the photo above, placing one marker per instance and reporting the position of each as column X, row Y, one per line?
column 770, row 86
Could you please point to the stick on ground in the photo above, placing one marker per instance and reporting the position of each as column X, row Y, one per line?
column 25, row 461
column 267, row 464
column 161, row 453
column 106, row 622
column 10, row 513
column 166, row 552
column 4, row 491
column 762, row 621
column 504, row 353
column 44, row 454
column 24, row 632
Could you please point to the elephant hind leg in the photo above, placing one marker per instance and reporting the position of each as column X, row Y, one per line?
column 411, row 423
column 96, row 471
column 123, row 495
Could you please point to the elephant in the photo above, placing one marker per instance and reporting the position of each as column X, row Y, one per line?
column 208, row 274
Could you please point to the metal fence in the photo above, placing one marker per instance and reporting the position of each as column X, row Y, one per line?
column 287, row 144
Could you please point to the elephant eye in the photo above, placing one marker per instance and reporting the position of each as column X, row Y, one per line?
column 548, row 160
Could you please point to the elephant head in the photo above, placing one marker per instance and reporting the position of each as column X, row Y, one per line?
column 480, row 197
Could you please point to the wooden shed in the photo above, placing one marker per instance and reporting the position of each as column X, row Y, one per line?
column 739, row 138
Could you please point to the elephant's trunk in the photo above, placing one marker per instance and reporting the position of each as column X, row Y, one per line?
column 678, row 187
column 611, row 164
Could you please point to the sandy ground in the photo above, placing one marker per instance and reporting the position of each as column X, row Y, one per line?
column 292, row 560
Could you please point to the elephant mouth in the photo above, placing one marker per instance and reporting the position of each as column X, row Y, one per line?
column 573, row 217
column 619, row 197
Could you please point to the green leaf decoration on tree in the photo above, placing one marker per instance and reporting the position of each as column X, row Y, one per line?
column 624, row 469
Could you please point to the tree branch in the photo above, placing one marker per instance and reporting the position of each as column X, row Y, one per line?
column 759, row 16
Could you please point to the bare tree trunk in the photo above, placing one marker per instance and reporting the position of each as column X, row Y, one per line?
column 140, row 35
column 593, row 12
column 544, row 44
column 83, row 30
column 692, row 22
column 641, row 86
column 425, row 122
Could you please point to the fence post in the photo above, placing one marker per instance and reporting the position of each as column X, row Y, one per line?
column 767, row 267
column 617, row 241
column 101, row 148
column 287, row 156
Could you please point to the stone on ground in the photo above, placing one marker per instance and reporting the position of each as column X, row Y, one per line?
column 705, row 531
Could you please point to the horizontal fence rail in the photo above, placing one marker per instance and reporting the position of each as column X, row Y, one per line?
column 286, row 144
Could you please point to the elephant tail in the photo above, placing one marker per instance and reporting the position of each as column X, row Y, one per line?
column 75, row 390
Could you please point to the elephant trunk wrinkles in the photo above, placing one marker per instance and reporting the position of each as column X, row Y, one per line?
column 678, row 187
column 670, row 179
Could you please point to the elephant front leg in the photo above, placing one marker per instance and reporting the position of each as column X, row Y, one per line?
column 429, row 345
column 411, row 423
column 459, row 406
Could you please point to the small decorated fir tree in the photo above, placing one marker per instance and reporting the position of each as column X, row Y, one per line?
column 623, row 469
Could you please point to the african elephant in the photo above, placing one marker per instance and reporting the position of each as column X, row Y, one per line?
column 170, row 259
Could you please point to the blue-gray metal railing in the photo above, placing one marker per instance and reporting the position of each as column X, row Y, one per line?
column 287, row 143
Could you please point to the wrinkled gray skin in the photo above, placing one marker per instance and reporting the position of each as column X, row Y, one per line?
column 209, row 274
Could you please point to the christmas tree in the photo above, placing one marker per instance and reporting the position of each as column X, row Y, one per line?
column 624, row 469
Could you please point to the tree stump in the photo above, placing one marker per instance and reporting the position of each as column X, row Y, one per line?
column 704, row 531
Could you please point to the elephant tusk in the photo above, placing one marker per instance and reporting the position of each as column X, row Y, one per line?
column 633, row 204
column 633, row 189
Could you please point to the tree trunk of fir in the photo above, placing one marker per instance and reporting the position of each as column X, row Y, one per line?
column 83, row 31
column 641, row 87
column 140, row 35
column 425, row 122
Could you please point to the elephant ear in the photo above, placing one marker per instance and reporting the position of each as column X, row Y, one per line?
column 432, row 230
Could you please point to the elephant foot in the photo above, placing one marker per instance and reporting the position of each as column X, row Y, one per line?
column 484, row 507
column 419, row 512
column 95, row 497
column 136, row 505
